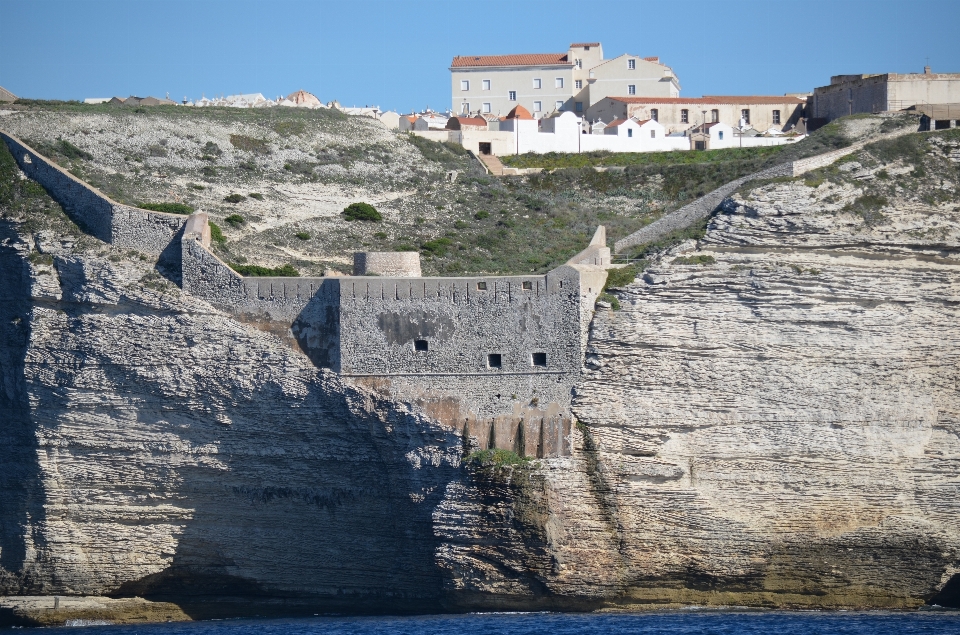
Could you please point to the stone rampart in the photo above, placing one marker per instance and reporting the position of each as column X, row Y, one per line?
column 705, row 205
column 495, row 357
column 121, row 225
column 698, row 209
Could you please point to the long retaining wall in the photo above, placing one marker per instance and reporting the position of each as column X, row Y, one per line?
column 705, row 205
column 155, row 233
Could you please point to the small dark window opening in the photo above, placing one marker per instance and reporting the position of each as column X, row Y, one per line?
column 539, row 359
column 527, row 286
column 486, row 147
column 420, row 345
column 481, row 286
column 494, row 360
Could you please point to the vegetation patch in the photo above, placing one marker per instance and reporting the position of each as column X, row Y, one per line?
column 303, row 235
column 71, row 151
column 250, row 144
column 437, row 247
column 256, row 195
column 441, row 152
column 868, row 207
column 286, row 271
column 362, row 212
column 235, row 220
column 216, row 234
column 169, row 208
column 604, row 158
column 234, row 198
column 699, row 259
column 496, row 459
column 610, row 299
column 621, row 277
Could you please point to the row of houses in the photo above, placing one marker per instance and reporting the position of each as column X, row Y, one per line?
column 520, row 132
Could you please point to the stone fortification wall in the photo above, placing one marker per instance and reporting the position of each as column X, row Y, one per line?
column 121, row 225
column 705, row 205
column 387, row 263
column 700, row 208
column 493, row 357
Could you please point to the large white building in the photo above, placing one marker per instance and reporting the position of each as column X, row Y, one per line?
column 548, row 82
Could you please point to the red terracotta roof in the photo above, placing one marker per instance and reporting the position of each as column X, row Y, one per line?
column 643, row 121
column 655, row 59
column 519, row 112
column 582, row 44
column 455, row 123
column 616, row 122
column 713, row 99
column 523, row 59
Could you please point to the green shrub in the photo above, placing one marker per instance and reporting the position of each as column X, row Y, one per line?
column 211, row 149
column 380, row 235
column 249, row 144
column 621, row 277
column 235, row 220
column 256, row 195
column 194, row 186
column 286, row 271
column 71, row 151
column 216, row 234
column 611, row 299
column 303, row 235
column 699, row 259
column 363, row 212
column 169, row 208
column 234, row 198
column 437, row 247
column 481, row 215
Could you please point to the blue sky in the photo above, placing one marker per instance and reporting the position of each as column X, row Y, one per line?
column 395, row 54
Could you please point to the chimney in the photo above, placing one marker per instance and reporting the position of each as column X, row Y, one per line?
column 926, row 70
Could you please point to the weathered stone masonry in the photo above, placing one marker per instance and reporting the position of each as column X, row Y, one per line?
column 494, row 357
column 122, row 225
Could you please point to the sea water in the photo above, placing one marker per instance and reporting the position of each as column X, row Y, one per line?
column 681, row 622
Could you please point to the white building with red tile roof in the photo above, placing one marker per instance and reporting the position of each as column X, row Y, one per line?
column 544, row 83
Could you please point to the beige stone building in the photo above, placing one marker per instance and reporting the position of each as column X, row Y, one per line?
column 678, row 114
column 548, row 82
column 851, row 94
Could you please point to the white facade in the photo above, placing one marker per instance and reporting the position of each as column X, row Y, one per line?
column 563, row 133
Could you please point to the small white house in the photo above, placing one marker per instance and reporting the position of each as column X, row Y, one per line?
column 631, row 128
column 430, row 122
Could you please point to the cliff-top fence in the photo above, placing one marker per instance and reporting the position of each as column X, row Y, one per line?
column 706, row 204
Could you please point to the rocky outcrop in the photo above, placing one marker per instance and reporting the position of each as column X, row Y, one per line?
column 776, row 414
column 155, row 447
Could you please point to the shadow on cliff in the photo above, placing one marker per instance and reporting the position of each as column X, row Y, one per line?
column 315, row 502
column 21, row 499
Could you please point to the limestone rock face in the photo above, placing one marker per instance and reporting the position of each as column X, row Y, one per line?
column 153, row 446
column 783, row 421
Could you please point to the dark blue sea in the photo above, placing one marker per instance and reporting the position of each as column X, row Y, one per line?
column 685, row 622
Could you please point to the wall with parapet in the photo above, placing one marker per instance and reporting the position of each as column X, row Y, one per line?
column 427, row 341
column 122, row 225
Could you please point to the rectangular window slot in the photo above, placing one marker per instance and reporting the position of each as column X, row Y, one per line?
column 494, row 360
column 527, row 286
column 512, row 95
column 631, row 64
column 537, row 83
column 464, row 84
column 481, row 286
column 539, row 359
column 420, row 345
column 485, row 84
